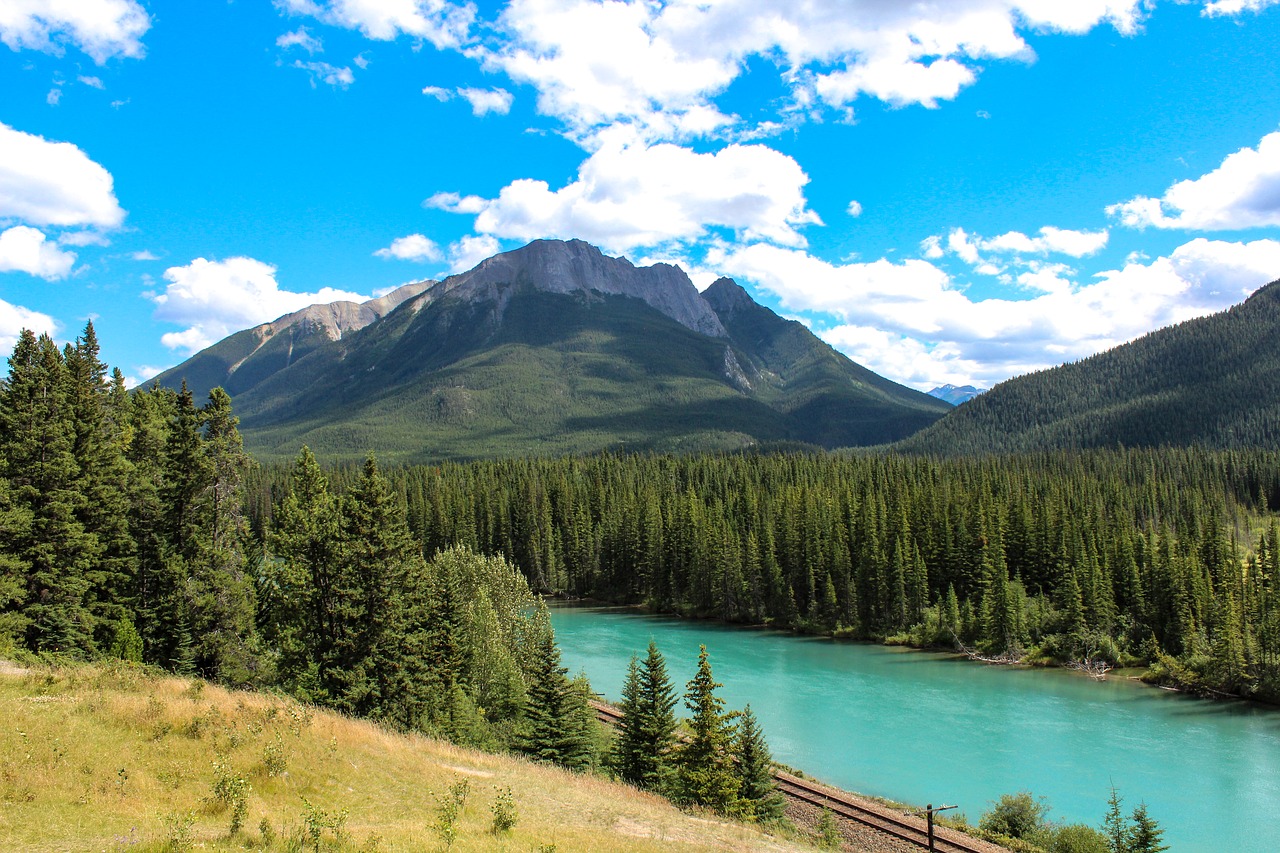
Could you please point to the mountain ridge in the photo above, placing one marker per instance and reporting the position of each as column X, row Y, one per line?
column 1212, row 381
column 557, row 348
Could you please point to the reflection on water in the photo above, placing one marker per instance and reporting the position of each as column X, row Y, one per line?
column 924, row 727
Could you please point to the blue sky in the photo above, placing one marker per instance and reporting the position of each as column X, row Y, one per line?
column 959, row 191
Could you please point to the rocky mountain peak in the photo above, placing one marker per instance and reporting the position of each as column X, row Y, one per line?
column 726, row 297
column 573, row 266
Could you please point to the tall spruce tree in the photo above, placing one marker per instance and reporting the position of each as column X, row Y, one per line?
column 37, row 453
column 298, row 597
column 758, row 794
column 554, row 711
column 705, row 774
column 642, row 753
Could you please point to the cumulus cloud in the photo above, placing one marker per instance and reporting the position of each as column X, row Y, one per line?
column 1077, row 244
column 414, row 247
column 301, row 38
column 15, row 318
column 443, row 24
column 631, row 195
column 213, row 299
column 854, row 208
column 660, row 66
column 1244, row 192
column 995, row 256
column 323, row 72
column 103, row 29
column 485, row 101
column 26, row 249
column 53, row 183
column 912, row 322
column 1235, row 7
column 471, row 250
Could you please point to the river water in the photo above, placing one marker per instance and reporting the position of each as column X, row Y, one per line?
column 921, row 727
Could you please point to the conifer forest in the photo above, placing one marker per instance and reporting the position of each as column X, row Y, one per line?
column 134, row 525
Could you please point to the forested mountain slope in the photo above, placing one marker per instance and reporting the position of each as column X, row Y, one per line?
column 557, row 348
column 1213, row 382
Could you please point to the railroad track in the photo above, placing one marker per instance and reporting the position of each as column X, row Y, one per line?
column 880, row 819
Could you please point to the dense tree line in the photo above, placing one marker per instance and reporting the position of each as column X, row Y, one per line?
column 123, row 533
column 1168, row 556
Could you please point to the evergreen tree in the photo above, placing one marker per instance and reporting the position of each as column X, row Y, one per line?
column 37, row 453
column 1145, row 835
column 759, row 795
column 298, row 602
column 705, row 774
column 220, row 588
column 647, row 736
column 554, row 710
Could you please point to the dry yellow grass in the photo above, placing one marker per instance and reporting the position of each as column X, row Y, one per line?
column 117, row 758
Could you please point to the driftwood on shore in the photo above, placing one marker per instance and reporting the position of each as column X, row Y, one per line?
column 1092, row 667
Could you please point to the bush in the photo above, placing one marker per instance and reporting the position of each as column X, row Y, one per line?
column 1017, row 815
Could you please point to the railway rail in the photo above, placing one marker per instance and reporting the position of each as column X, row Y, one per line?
column 879, row 818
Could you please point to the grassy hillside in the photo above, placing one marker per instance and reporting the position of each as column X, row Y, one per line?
column 121, row 758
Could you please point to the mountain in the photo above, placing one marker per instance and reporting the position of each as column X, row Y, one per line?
column 1210, row 382
column 241, row 361
column 955, row 394
column 554, row 348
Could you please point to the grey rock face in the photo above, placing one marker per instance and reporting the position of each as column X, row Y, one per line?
column 335, row 319
column 556, row 266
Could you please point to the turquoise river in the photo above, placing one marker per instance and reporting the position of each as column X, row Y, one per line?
column 920, row 727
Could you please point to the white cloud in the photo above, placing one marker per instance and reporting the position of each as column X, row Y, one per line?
column 1244, row 192
column 1077, row 244
column 909, row 320
column 439, row 22
column 471, row 250
column 216, row 298
column 854, row 209
column 414, row 247
column 53, row 183
column 660, row 66
column 1235, row 7
column 25, row 249
column 54, row 97
column 92, row 82
column 485, row 101
column 301, row 38
column 637, row 195
column 326, row 73
column 15, row 318
column 83, row 238
column 145, row 255
column 103, row 29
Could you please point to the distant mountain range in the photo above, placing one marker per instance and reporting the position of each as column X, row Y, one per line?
column 551, row 348
column 955, row 394
column 1210, row 382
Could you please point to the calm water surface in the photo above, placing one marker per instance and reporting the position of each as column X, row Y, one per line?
column 921, row 727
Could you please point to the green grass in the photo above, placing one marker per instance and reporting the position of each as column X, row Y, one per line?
column 121, row 758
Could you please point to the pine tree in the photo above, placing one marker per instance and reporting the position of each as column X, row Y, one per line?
column 37, row 453
column 759, row 795
column 644, row 745
column 297, row 602
column 705, row 774
column 220, row 590
column 554, row 710
column 1145, row 835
